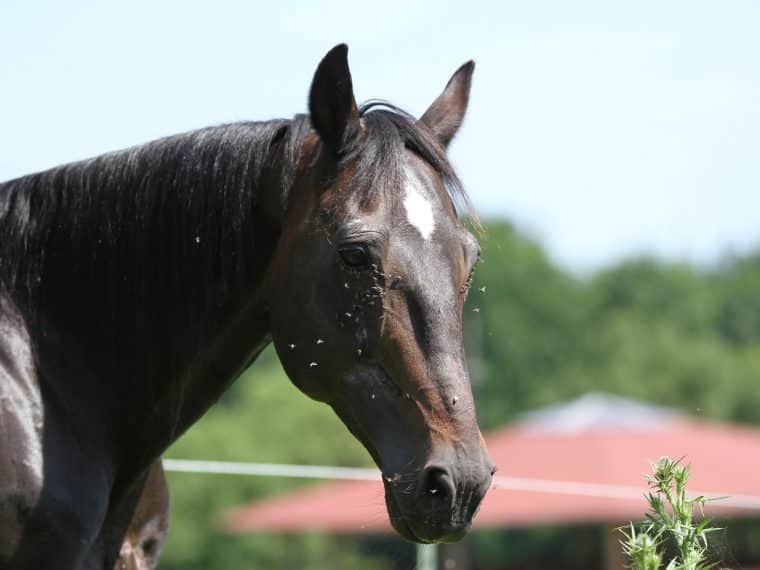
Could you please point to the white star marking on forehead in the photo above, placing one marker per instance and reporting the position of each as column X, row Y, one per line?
column 419, row 212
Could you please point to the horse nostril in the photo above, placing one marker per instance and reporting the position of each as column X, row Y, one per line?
column 438, row 487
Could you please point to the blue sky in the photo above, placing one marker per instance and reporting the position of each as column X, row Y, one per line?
column 603, row 129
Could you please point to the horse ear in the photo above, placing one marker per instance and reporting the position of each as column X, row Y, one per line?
column 331, row 101
column 445, row 115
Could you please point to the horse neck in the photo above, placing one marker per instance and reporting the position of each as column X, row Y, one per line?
column 155, row 275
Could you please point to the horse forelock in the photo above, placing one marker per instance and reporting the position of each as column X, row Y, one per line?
column 374, row 166
column 389, row 133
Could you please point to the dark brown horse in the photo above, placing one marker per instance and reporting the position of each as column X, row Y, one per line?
column 136, row 286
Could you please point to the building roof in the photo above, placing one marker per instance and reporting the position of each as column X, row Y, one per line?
column 579, row 462
column 597, row 410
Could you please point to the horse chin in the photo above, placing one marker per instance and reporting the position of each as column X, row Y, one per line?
column 406, row 527
column 428, row 532
column 398, row 520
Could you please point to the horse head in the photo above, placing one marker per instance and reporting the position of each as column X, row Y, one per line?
column 368, row 285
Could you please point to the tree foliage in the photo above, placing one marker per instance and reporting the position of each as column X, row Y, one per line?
column 665, row 332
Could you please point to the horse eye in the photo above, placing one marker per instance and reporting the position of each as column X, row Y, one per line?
column 354, row 256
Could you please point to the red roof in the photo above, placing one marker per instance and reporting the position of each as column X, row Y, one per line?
column 579, row 462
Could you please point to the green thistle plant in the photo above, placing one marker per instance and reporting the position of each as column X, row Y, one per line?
column 670, row 520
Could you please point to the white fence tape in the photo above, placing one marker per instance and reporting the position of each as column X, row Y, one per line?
column 625, row 492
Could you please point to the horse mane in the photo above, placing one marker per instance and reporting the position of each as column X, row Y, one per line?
column 121, row 201
column 177, row 210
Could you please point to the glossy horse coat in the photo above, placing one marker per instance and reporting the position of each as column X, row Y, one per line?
column 136, row 286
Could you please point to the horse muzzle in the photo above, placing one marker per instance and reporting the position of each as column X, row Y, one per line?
column 439, row 503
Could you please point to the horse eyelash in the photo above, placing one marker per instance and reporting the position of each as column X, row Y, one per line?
column 465, row 289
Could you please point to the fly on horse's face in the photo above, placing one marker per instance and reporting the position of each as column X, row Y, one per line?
column 375, row 271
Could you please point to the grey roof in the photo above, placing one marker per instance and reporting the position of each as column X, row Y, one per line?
column 594, row 411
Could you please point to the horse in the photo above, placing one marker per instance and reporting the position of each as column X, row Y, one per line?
column 137, row 285
column 147, row 531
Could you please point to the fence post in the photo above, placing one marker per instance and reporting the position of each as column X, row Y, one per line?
column 427, row 557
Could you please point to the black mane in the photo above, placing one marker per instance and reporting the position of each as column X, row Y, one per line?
column 191, row 189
